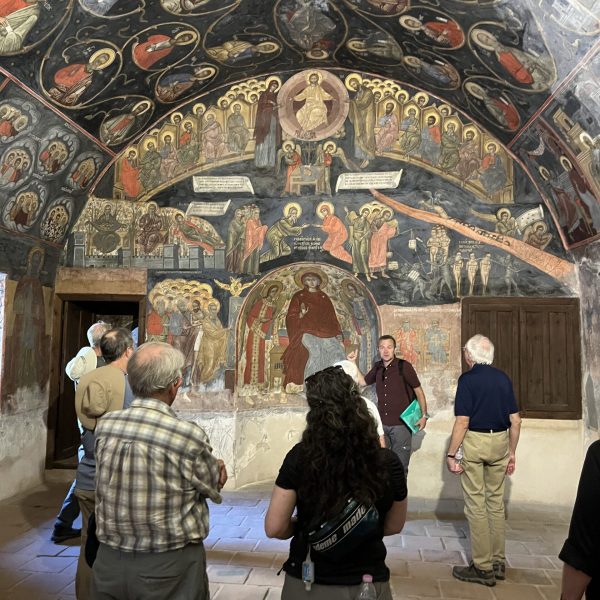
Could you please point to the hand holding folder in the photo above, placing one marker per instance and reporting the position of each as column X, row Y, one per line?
column 411, row 415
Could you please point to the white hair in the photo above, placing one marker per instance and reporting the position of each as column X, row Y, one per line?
column 96, row 331
column 153, row 368
column 480, row 350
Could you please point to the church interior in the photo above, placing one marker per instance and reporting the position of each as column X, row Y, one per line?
column 190, row 168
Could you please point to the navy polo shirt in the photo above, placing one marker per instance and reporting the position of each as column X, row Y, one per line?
column 485, row 395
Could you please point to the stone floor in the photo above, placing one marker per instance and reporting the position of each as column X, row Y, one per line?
column 243, row 563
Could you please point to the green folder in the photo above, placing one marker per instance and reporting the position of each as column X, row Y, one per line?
column 411, row 415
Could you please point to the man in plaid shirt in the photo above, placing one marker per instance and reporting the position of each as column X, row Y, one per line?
column 154, row 473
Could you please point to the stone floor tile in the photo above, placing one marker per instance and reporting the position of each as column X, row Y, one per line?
column 227, row 574
column 268, row 545
column 262, row 576
column 255, row 533
column 27, row 595
column 225, row 531
column 235, row 544
column 219, row 557
column 416, row 527
column 445, row 531
column 433, row 571
column 15, row 560
column 241, row 592
column 48, row 564
column 397, row 567
column 394, row 541
column 516, row 591
column 450, row 557
column 409, row 586
column 70, row 550
column 422, row 542
column 522, row 561
column 523, row 535
column 456, row 544
column 52, row 583
column 274, row 594
column 530, row 576
column 513, row 547
column 404, row 553
column 549, row 592
column 466, row 591
column 10, row 577
column 254, row 559
column 555, row 576
column 226, row 520
column 547, row 547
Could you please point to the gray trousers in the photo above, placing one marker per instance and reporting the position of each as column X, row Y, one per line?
column 174, row 575
column 398, row 438
column 293, row 589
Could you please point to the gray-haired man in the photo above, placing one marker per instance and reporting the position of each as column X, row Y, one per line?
column 154, row 474
column 487, row 425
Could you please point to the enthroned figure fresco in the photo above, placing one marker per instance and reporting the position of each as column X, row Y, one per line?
column 298, row 320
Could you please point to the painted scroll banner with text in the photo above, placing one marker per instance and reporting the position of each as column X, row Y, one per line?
column 207, row 209
column 372, row 180
column 236, row 183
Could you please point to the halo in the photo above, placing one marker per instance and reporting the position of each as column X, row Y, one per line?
column 544, row 173
column 538, row 223
column 287, row 145
column 356, row 45
column 186, row 121
column 472, row 88
column 148, row 141
column 176, row 114
column 503, row 211
column 329, row 143
column 205, row 72
column 495, row 146
column 165, row 134
column 309, row 74
column 199, row 108
column 329, row 205
column 213, row 302
column 130, row 149
column 477, row 31
column 319, row 272
column 191, row 32
column 473, row 129
column 368, row 205
column 404, row 20
column 412, row 61
column 567, row 165
column 586, row 138
column 111, row 57
column 402, row 96
column 445, row 107
column 350, row 79
column 289, row 206
column 346, row 283
column 272, row 79
column 317, row 54
column 141, row 103
column 234, row 104
column 267, row 47
column 270, row 284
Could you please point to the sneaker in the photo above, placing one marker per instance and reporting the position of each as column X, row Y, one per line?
column 472, row 574
column 62, row 534
column 499, row 570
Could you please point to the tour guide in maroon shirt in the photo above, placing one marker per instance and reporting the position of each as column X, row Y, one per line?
column 389, row 378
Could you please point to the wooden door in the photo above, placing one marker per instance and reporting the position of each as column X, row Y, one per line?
column 537, row 342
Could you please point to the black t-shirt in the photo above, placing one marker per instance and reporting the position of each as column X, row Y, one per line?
column 371, row 556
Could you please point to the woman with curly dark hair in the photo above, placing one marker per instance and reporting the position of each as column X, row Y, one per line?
column 349, row 493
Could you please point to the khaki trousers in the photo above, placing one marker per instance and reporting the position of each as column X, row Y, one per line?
column 484, row 463
column 83, row 578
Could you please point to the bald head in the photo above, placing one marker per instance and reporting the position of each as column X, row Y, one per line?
column 153, row 368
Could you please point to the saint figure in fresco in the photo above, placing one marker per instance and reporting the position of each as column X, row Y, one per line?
column 237, row 131
column 362, row 115
column 117, row 129
column 150, row 227
column 308, row 24
column 314, row 332
column 410, row 132
column 260, row 325
column 360, row 236
column 431, row 140
column 196, row 233
column 188, row 145
column 383, row 230
column 449, row 156
column 468, row 153
column 73, row 80
column 169, row 163
column 267, row 130
column 28, row 340
column 236, row 237
column 83, row 174
column 492, row 172
column 130, row 175
column 175, row 85
column 254, row 237
column 388, row 129
column 279, row 231
column 25, row 209
column 17, row 17
column 213, row 141
column 212, row 353
column 313, row 113
column 336, row 231
column 158, row 46
column 444, row 32
column 150, row 173
column 107, row 225
column 292, row 160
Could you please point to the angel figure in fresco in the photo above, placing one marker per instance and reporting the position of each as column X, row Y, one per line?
column 326, row 153
column 308, row 24
column 157, row 46
column 336, row 231
column 314, row 332
column 441, row 30
column 313, row 113
column 118, row 128
column 362, row 115
column 523, row 68
column 537, row 235
column 292, row 159
column 280, row 230
column 73, row 80
column 17, row 18
column 267, row 130
column 260, row 324
column 504, row 222
column 383, row 230
column 196, row 233
column 212, row 353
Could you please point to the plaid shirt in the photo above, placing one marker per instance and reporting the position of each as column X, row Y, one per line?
column 153, row 475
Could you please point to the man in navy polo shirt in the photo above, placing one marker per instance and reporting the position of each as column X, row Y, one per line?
column 488, row 426
column 394, row 384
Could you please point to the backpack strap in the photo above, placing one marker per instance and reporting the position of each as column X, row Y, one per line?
column 410, row 392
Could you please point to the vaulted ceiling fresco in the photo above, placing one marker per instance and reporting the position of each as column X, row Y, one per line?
column 476, row 104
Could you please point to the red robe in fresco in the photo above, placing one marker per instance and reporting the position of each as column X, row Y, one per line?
column 259, row 323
